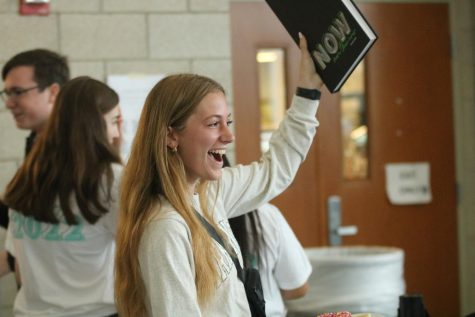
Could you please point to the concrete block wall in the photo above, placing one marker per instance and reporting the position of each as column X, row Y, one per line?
column 105, row 37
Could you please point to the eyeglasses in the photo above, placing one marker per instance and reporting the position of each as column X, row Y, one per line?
column 15, row 92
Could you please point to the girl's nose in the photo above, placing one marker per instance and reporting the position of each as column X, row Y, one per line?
column 227, row 135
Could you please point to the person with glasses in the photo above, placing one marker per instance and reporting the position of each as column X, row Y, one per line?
column 31, row 81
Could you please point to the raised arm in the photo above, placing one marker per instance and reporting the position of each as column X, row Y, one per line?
column 247, row 187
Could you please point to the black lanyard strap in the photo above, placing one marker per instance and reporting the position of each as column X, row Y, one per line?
column 216, row 237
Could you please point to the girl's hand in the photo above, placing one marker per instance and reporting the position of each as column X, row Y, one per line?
column 308, row 77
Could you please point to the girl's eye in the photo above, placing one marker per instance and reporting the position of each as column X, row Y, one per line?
column 229, row 122
column 214, row 124
column 118, row 121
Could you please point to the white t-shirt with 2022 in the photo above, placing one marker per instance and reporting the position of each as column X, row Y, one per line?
column 66, row 270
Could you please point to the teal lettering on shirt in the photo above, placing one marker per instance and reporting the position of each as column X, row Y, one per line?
column 29, row 227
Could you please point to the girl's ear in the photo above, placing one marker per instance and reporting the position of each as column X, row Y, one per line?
column 172, row 139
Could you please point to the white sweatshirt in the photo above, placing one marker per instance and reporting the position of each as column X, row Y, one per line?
column 165, row 252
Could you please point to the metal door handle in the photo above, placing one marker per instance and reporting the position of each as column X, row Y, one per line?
column 335, row 230
column 347, row 231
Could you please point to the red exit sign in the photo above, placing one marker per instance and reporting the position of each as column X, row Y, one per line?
column 34, row 7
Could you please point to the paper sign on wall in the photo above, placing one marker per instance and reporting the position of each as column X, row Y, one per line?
column 132, row 90
column 408, row 183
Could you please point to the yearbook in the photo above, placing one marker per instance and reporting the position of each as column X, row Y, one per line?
column 337, row 34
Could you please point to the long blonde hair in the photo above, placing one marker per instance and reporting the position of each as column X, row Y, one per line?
column 154, row 171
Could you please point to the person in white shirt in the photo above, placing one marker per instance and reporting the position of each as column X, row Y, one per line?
column 268, row 243
column 63, row 207
column 167, row 264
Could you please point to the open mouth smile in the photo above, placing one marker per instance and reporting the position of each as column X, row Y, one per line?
column 217, row 154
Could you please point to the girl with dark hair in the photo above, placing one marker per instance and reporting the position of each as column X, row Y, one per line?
column 63, row 207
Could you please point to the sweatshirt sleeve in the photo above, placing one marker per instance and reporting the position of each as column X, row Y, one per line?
column 246, row 187
column 166, row 263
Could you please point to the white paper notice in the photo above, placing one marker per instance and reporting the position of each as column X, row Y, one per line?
column 132, row 90
column 408, row 183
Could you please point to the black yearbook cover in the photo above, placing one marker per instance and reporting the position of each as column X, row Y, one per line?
column 338, row 35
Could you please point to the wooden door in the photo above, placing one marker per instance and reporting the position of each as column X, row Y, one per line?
column 409, row 103
column 254, row 26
